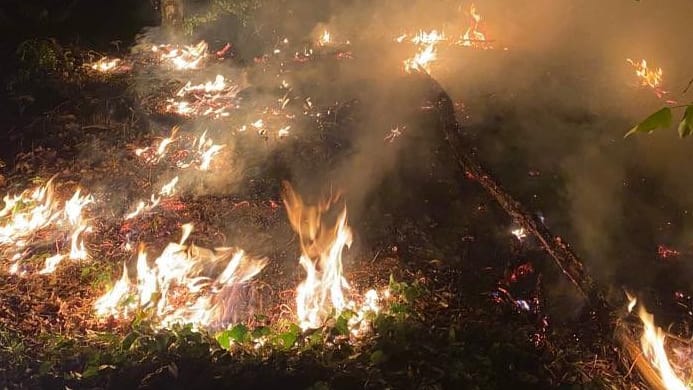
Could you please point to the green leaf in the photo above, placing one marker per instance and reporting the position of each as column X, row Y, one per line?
column 342, row 326
column 239, row 333
column 224, row 339
column 260, row 332
column 378, row 357
column 660, row 119
column 686, row 125
column 288, row 338
column 129, row 340
column 90, row 371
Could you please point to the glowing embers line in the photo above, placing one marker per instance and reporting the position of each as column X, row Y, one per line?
column 183, row 286
column 26, row 216
column 212, row 98
column 653, row 346
column 196, row 152
column 322, row 293
column 182, row 58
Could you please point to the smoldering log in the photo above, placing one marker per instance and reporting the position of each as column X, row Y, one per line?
column 559, row 250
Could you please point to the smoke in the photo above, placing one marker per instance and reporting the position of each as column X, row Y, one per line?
column 556, row 102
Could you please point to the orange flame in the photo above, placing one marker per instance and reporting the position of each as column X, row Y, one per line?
column 185, row 58
column 211, row 98
column 105, row 64
column 422, row 60
column 474, row 36
column 323, row 290
column 652, row 343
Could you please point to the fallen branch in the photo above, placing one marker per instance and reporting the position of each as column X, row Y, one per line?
column 569, row 264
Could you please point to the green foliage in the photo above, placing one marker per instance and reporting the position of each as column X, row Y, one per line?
column 660, row 119
column 664, row 119
column 686, row 125
column 241, row 9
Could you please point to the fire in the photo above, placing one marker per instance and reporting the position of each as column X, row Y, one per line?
column 325, row 38
column 650, row 77
column 474, row 36
column 422, row 60
column 105, row 64
column 185, row 58
column 26, row 213
column 211, row 98
column 653, row 345
column 201, row 152
column 323, row 290
column 428, row 38
column 180, row 286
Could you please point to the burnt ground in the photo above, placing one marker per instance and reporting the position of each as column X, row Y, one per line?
column 470, row 307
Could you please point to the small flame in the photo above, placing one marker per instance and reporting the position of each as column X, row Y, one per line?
column 51, row 264
column 211, row 98
column 105, row 64
column 652, row 343
column 185, row 58
column 427, row 38
column 169, row 189
column 422, row 60
column 474, row 36
column 650, row 77
column 325, row 38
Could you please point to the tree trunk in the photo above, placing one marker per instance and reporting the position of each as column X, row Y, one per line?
column 172, row 14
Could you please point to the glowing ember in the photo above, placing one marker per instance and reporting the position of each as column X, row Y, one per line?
column 422, row 60
column 185, row 58
column 666, row 252
column 519, row 233
column 212, row 98
column 474, row 36
column 179, row 287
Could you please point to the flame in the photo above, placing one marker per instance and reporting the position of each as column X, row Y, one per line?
column 26, row 213
column 648, row 77
column 169, row 188
column 651, row 78
column 211, row 98
column 427, row 38
column 51, row 264
column 185, row 58
column 105, row 64
column 474, row 36
column 323, row 289
column 325, row 38
column 422, row 60
column 653, row 345
column 178, row 288
column 201, row 153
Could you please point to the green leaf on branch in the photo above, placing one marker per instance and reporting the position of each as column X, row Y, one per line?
column 686, row 125
column 660, row 119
